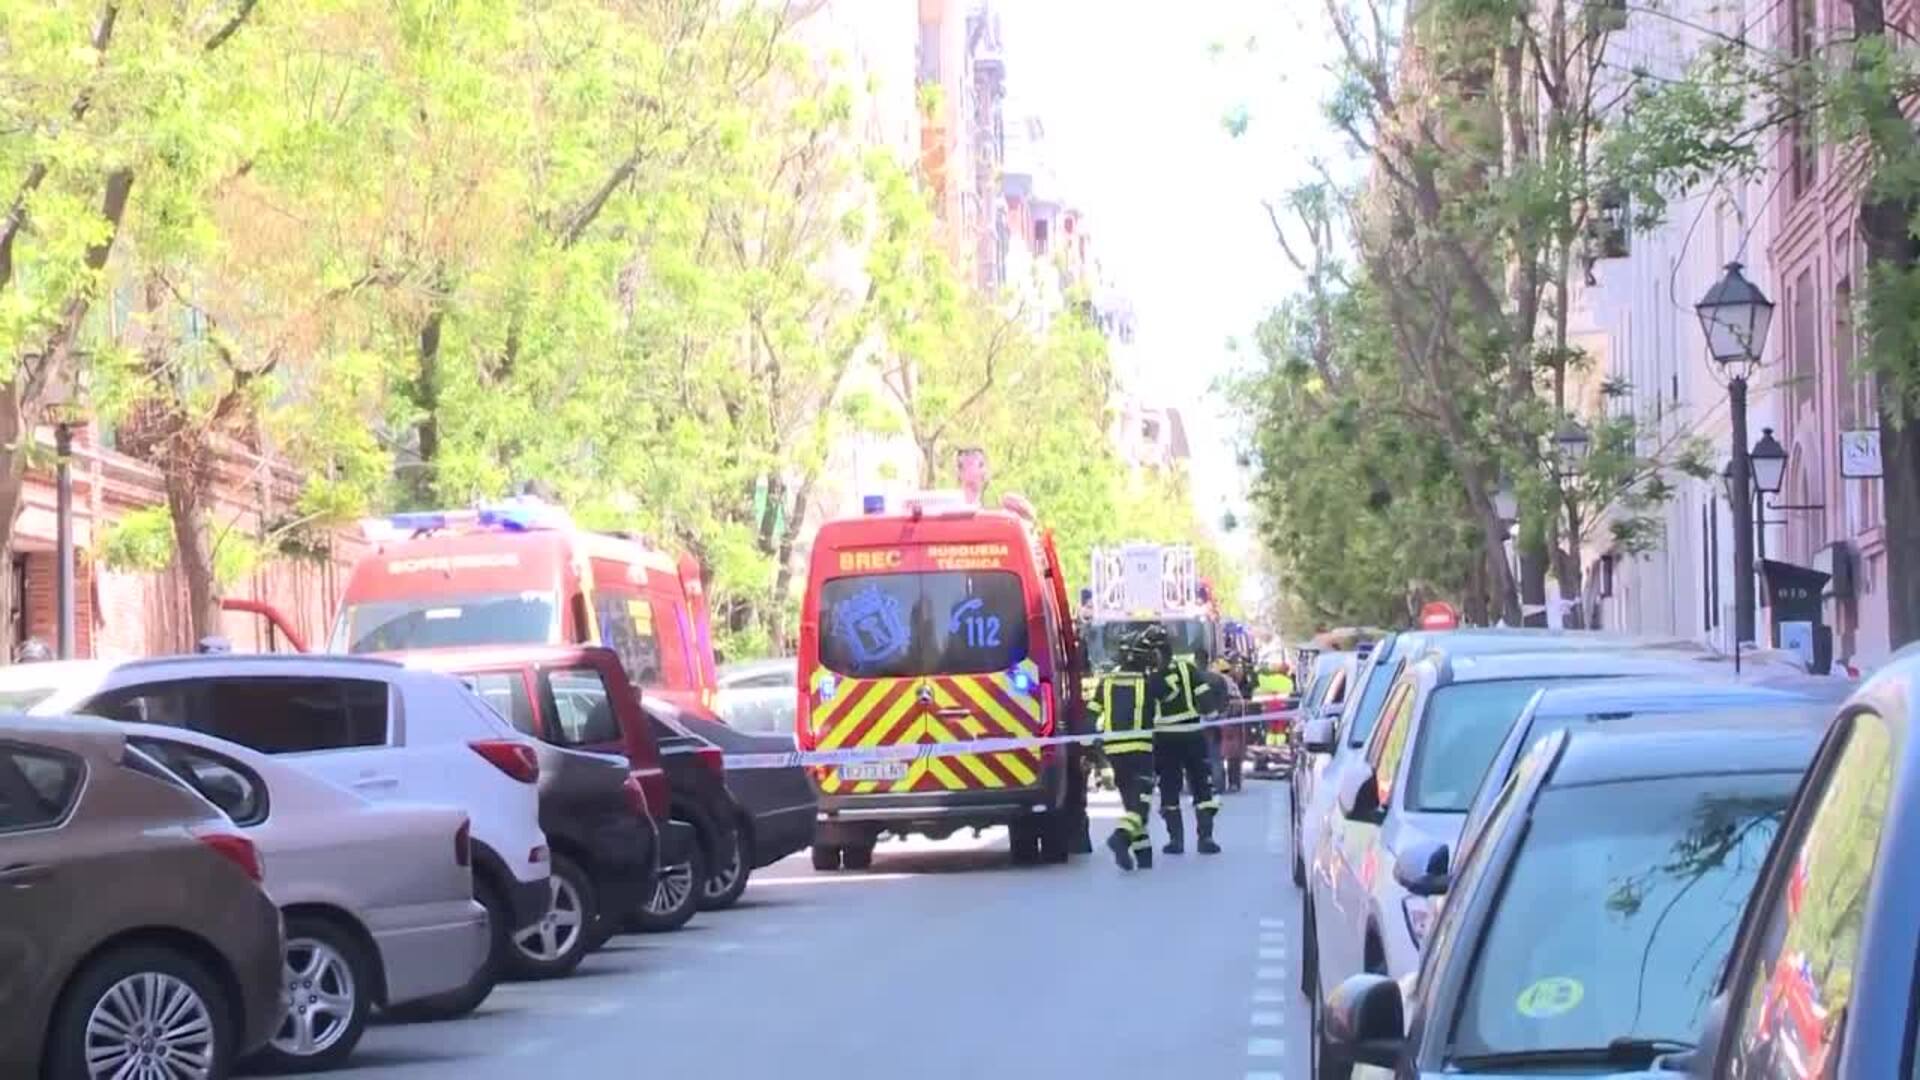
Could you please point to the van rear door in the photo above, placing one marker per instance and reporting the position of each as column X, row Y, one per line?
column 919, row 655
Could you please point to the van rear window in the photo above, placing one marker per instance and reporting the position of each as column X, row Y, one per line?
column 934, row 623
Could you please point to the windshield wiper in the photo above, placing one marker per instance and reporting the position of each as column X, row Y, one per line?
column 1626, row 1050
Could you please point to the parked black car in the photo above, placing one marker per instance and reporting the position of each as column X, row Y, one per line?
column 697, row 771
column 779, row 803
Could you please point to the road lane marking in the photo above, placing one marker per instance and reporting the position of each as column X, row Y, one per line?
column 1271, row 974
column 1274, row 937
column 603, row 1008
column 1268, row 1019
column 529, row 1047
column 1266, row 995
column 1265, row 1076
column 1274, row 953
column 1271, row 923
column 1266, row 1047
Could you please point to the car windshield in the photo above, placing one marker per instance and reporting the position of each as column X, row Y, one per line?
column 522, row 618
column 1105, row 639
column 1464, row 726
column 933, row 623
column 1617, row 912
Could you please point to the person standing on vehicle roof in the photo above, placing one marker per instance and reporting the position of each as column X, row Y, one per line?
column 1180, row 745
column 1127, row 706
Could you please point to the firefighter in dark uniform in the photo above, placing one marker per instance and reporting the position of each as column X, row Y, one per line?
column 1180, row 746
column 1128, row 705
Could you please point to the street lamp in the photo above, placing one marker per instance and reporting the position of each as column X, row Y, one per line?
column 1573, row 444
column 1769, row 462
column 1735, row 316
column 1506, row 505
column 64, row 399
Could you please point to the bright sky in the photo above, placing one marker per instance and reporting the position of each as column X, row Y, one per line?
column 1133, row 94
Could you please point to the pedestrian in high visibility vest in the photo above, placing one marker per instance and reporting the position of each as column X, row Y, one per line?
column 1127, row 706
column 1180, row 746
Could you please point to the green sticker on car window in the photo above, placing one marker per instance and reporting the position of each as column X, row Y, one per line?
column 1550, row 997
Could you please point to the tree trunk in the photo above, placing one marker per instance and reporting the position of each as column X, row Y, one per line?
column 783, row 564
column 193, row 542
column 1533, row 578
column 1886, row 230
column 426, row 398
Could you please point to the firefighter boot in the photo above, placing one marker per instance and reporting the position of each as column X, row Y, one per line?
column 1117, row 843
column 1143, row 853
column 1176, row 833
column 1203, row 825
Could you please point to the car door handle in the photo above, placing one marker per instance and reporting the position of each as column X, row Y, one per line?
column 366, row 782
column 24, row 875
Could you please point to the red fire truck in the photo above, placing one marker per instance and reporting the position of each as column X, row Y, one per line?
column 521, row 573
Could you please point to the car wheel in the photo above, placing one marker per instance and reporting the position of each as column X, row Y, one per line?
column 857, row 857
column 1023, row 836
column 556, row 944
column 141, row 1011
column 1309, row 974
column 676, row 895
column 329, row 985
column 723, row 887
column 457, row 1003
column 1056, row 837
column 826, row 857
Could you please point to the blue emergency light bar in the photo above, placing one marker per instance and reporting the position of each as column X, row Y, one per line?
column 873, row 504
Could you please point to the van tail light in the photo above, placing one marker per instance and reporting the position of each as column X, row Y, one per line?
column 510, row 756
column 715, row 761
column 237, row 850
column 463, row 844
column 803, row 736
column 1047, row 709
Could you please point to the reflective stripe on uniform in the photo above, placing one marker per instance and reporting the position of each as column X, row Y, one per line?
column 1210, row 804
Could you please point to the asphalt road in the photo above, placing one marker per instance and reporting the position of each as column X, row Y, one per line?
column 943, row 961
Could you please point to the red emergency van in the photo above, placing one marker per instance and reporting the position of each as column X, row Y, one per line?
column 940, row 622
column 521, row 573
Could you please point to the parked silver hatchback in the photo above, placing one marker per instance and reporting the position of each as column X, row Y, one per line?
column 378, row 897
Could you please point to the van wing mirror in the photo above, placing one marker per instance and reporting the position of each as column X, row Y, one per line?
column 1317, row 736
column 1366, row 1017
column 1360, row 794
column 1424, row 868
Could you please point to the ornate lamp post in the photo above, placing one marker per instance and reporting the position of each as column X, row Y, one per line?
column 1735, row 316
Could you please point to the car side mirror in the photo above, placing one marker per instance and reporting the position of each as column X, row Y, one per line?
column 1425, row 868
column 1360, row 795
column 1318, row 735
column 1366, row 1018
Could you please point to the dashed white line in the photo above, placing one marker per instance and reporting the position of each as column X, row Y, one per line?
column 1271, row 923
column 1268, row 1019
column 1274, row 937
column 1271, row 974
column 1265, row 1076
column 530, row 1047
column 1274, row 952
column 1266, row 995
column 1266, row 1047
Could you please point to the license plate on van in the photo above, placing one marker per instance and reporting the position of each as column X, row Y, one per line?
column 875, row 770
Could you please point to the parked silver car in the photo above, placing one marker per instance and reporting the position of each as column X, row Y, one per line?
column 378, row 897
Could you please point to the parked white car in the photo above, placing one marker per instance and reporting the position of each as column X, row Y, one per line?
column 376, row 728
column 378, row 897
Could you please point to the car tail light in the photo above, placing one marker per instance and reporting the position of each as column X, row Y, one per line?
column 237, row 850
column 714, row 759
column 1419, row 918
column 463, row 844
column 1046, row 709
column 510, row 756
